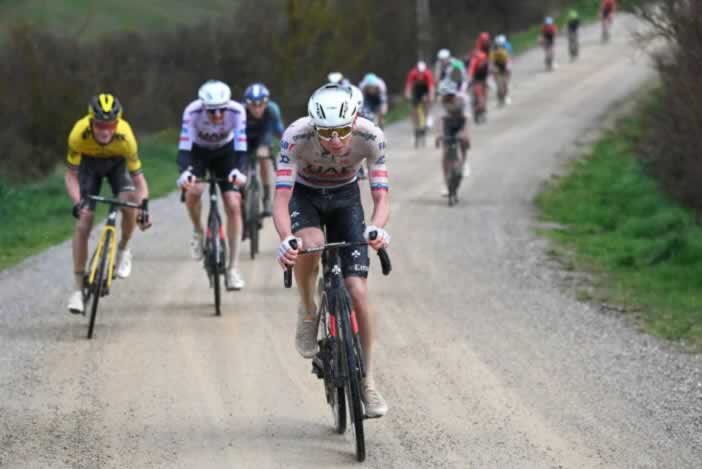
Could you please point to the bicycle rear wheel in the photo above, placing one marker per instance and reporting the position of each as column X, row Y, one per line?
column 98, row 282
column 354, row 372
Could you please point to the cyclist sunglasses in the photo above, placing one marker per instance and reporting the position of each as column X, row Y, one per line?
column 328, row 133
column 102, row 125
column 216, row 111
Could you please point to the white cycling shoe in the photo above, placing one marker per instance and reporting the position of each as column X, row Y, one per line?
column 373, row 401
column 233, row 280
column 306, row 334
column 196, row 251
column 123, row 263
column 75, row 302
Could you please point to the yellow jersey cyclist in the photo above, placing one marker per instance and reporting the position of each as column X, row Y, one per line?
column 501, row 61
column 315, row 187
column 213, row 137
column 102, row 145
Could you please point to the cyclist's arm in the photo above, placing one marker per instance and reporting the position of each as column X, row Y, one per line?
column 408, row 84
column 239, row 141
column 72, row 184
column 383, row 98
column 142, row 188
column 379, row 184
column 278, row 126
column 284, row 183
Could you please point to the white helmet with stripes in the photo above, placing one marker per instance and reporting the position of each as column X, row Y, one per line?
column 333, row 106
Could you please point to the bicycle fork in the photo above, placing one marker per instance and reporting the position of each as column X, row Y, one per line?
column 109, row 228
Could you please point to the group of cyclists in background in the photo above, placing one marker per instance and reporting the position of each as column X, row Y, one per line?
column 312, row 184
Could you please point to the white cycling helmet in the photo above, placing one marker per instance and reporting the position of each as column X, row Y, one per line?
column 334, row 106
column 371, row 79
column 443, row 54
column 549, row 20
column 214, row 94
column 335, row 77
column 421, row 66
column 501, row 40
column 448, row 87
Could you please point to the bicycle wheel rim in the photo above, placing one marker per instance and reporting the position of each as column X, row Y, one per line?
column 254, row 214
column 97, row 290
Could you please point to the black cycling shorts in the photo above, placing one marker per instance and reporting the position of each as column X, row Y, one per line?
column 92, row 170
column 341, row 212
column 219, row 162
column 419, row 91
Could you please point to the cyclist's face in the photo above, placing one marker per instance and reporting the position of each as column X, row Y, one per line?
column 256, row 108
column 104, row 131
column 336, row 145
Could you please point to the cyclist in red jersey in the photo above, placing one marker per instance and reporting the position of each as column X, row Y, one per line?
column 419, row 88
column 607, row 10
column 549, row 30
column 478, row 74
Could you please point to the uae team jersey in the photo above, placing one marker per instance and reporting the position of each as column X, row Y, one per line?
column 303, row 160
column 197, row 128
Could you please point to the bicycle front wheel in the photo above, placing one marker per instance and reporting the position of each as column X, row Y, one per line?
column 213, row 256
column 253, row 212
column 353, row 368
column 98, row 282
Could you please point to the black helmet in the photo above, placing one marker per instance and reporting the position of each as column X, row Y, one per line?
column 105, row 107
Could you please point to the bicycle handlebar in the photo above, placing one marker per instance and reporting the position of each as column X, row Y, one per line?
column 117, row 202
column 382, row 255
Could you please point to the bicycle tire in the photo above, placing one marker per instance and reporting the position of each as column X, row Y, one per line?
column 336, row 395
column 213, row 254
column 353, row 374
column 253, row 215
column 98, row 283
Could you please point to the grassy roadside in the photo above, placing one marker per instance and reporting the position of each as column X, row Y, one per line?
column 643, row 249
column 39, row 214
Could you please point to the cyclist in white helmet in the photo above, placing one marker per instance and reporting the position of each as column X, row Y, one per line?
column 375, row 98
column 213, row 137
column 316, row 186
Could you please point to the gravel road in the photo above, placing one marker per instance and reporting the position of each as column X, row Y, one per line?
column 485, row 357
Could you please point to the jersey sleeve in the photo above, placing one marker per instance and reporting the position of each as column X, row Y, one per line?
column 240, row 142
column 378, row 171
column 285, row 175
column 132, row 150
column 278, row 126
column 187, row 131
column 74, row 154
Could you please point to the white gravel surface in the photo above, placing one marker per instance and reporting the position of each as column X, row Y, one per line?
column 486, row 360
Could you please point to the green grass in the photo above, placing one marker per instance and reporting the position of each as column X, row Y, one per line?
column 39, row 215
column 644, row 250
column 89, row 18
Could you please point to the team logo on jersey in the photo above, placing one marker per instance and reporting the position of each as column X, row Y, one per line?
column 356, row 254
column 212, row 137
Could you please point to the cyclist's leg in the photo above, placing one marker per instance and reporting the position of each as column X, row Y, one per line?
column 306, row 225
column 123, row 188
column 193, row 195
column 89, row 181
column 221, row 166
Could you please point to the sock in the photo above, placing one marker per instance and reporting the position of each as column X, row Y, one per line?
column 235, row 246
column 78, row 280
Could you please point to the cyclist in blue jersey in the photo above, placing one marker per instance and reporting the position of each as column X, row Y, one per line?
column 263, row 121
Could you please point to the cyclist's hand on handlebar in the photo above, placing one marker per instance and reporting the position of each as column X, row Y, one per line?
column 287, row 255
column 237, row 178
column 186, row 180
column 78, row 209
column 381, row 239
column 144, row 217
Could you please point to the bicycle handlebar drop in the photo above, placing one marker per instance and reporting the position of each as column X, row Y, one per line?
column 383, row 255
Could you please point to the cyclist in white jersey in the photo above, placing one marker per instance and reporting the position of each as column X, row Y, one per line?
column 213, row 137
column 317, row 186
